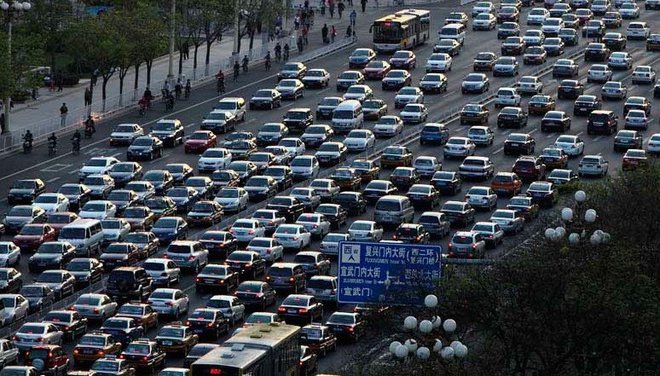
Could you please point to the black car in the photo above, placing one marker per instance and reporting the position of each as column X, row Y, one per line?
column 24, row 191
column 508, row 29
column 287, row 206
column 246, row 263
column 219, row 244
column 349, row 78
column 519, row 143
column 377, row 189
column 162, row 181
column 282, row 175
column 145, row 147
column 170, row 132
column 565, row 68
column 38, row 296
column 596, row 52
column 412, row 233
column 594, row 29
column 353, row 202
column 297, row 308
column 458, row 212
column 555, row 120
column 217, row 277
column 326, row 106
column 602, row 121
column 78, row 194
column 265, row 99
column 447, row 182
column 205, row 213
column 131, row 282
column 334, row 213
column 180, row 172
column 512, row 117
column 124, row 172
column 298, row 119
column 570, row 89
column 570, row 36
column 614, row 41
column 347, row 325
column 51, row 255
column 86, row 270
column 208, row 323
column 585, row 104
column 543, row 193
column 484, row 61
column 144, row 354
column 513, row 46
column 256, row 294
column 161, row 206
column 71, row 323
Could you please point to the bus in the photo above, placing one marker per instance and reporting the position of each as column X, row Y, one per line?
column 260, row 350
column 402, row 30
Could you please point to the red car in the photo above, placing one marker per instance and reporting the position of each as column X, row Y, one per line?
column 48, row 359
column 33, row 235
column 634, row 158
column 529, row 168
column 376, row 69
column 199, row 141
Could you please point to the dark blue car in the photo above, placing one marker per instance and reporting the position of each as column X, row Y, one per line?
column 434, row 133
column 168, row 229
column 123, row 329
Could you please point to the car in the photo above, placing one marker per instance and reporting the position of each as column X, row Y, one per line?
column 86, row 270
column 565, row 68
column 317, row 134
column 376, row 189
column 246, row 263
column 395, row 156
column 458, row 212
column 524, row 206
column 637, row 119
column 183, row 197
column 269, row 249
column 591, row 165
column 540, row 104
column 403, row 59
column 52, row 202
column 509, row 220
column 230, row 306
column 634, row 158
column 142, row 313
column 262, row 99
column 170, row 302
column 95, row 345
column 537, row 16
column 287, row 207
column 95, row 166
column 594, row 29
column 552, row 25
column 519, row 143
column 161, row 206
column 450, row 47
column 637, row 103
column 143, row 354
column 260, row 188
column 433, row 83
column 347, row 179
column 77, row 194
column 291, row 88
column 597, row 52
column 304, row 167
column 114, row 229
column 122, row 199
column 434, row 133
column 599, row 73
column 353, row 202
column 93, row 306
column 543, row 193
column 361, row 57
column 627, row 139
column 222, row 121
column 314, row 223
column 27, row 335
column 314, row 263
column 48, row 359
column 318, row 77
column 292, row 70
column 513, row 46
column 584, row 14
column 331, row 153
column 613, row 90
column 50, row 254
column 363, row 230
column 414, row 113
column 256, row 293
column 458, row 147
column 438, row 63
column 569, row 36
column 571, row 21
column 412, row 233
column 22, row 215
column 16, row 308
column 473, row 113
column 169, row 131
column 507, row 96
column 570, row 89
column 126, row 283
column 317, row 338
column 466, row 244
column 619, row 60
column 506, row 13
column 638, row 30
column 426, row 166
column 555, row 157
column 33, row 236
column 482, row 7
column 508, row 29
column 334, row 213
column 367, row 169
column 614, row 41
column 481, row 197
column 60, row 281
column 298, row 308
column 586, row 104
column 348, row 78
column 561, row 176
column 643, row 74
column 529, row 85
column 612, row 19
column 10, row 254
column 476, row 167
column 651, row 5
column 119, row 254
column 404, row 177
column 555, row 120
column 490, row 232
column 535, row 55
column 207, row 322
column 176, row 338
column 529, row 168
column 533, row 37
column 347, row 325
column 475, row 83
column 506, row 183
column 653, row 42
column 125, row 133
column 396, row 79
column 486, row 21
column 358, row 92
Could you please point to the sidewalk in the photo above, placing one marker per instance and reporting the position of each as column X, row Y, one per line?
column 42, row 116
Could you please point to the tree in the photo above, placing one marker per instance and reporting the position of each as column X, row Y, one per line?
column 206, row 20
column 256, row 15
column 152, row 36
column 124, row 25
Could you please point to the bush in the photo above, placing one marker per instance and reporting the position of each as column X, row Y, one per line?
column 69, row 79
column 20, row 96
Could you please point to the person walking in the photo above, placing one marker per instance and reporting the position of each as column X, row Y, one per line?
column 352, row 17
column 322, row 6
column 324, row 34
column 185, row 50
column 331, row 8
column 364, row 5
column 88, row 97
column 305, row 31
column 300, row 44
column 333, row 33
column 63, row 112
column 340, row 8
column 58, row 81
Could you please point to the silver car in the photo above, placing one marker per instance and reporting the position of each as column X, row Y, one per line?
column 508, row 220
column 467, row 244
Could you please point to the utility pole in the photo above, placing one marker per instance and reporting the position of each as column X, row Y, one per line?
column 237, row 25
column 170, row 68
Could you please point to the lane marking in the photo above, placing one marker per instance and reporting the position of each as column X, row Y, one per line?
column 498, row 150
column 53, row 179
column 597, row 138
column 57, row 167
column 73, row 172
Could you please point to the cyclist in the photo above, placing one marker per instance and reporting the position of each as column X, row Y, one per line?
column 237, row 70
column 278, row 52
column 286, row 51
column 267, row 60
column 221, row 82
column 245, row 63
column 28, row 138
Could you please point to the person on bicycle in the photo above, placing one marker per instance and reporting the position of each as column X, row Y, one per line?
column 90, row 126
column 237, row 70
column 278, row 51
column 221, row 81
column 169, row 104
column 286, row 51
column 267, row 59
column 178, row 88
column 245, row 63
column 188, row 88
column 52, row 141
column 75, row 140
column 27, row 137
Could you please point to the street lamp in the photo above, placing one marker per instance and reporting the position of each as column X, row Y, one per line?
column 15, row 8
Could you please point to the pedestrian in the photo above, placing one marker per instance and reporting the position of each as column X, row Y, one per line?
column 304, row 35
column 364, row 5
column 300, row 44
column 185, row 50
column 88, row 97
column 51, row 84
column 35, row 93
column 95, row 76
column 324, row 34
column 352, row 17
column 349, row 31
column 322, row 6
column 340, row 8
column 2, row 122
column 296, row 23
column 63, row 111
column 333, row 33
column 58, row 81
column 331, row 8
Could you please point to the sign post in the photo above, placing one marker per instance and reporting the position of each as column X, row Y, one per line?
column 387, row 273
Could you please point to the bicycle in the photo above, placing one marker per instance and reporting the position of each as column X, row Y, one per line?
column 220, row 88
column 75, row 148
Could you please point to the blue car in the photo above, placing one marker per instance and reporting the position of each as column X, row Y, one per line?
column 123, row 329
column 168, row 229
column 434, row 133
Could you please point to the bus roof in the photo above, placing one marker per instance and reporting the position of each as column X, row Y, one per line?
column 416, row 12
column 235, row 356
column 403, row 18
column 263, row 336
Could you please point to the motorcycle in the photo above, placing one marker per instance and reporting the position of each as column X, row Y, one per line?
column 27, row 147
column 75, row 147
column 88, row 132
column 52, row 150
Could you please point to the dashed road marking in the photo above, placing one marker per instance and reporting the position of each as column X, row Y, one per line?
column 498, row 150
column 53, row 179
column 57, row 167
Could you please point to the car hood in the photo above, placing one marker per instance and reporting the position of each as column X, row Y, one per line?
column 39, row 257
column 21, row 191
column 113, row 256
column 17, row 220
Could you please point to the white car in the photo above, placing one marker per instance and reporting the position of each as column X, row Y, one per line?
column 188, row 254
column 629, row 10
column 358, row 92
column 414, row 113
column 388, row 126
column 291, row 88
column 653, row 146
column 509, row 220
column 268, row 248
column 530, row 85
column 408, row 94
column 98, row 209
column 507, row 96
column 95, row 306
column 365, row 231
column 235, row 105
column 571, row 145
column 491, row 233
column 599, row 73
column 484, row 21
column 551, row 26
column 426, row 166
column 359, row 140
column 458, row 147
column 304, row 167
column 16, row 307
column 620, row 60
column 10, row 254
column 37, row 333
column 638, row 30
column 593, row 165
column 246, row 229
column 232, row 199
column 316, row 224
column 171, row 302
column 114, row 229
column 533, row 37
column 330, row 243
column 481, row 197
column 214, row 159
column 294, row 145
column 52, row 202
column 96, row 166
column 481, row 135
column 438, row 62
column 218, row 120
column 482, row 7
column 163, row 272
column 293, row 236
column 537, row 16
column 316, row 78
column 230, row 306
column 327, row 189
column 637, row 119
column 124, row 134
column 643, row 74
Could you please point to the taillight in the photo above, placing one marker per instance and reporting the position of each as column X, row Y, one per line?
column 96, row 310
column 210, row 325
column 145, row 358
column 101, row 353
column 248, row 265
column 75, row 352
column 291, row 279
column 259, row 295
column 188, row 323
column 281, row 309
column 302, row 310
column 267, row 278
column 296, row 238
column 169, row 304
column 191, row 258
column 251, row 232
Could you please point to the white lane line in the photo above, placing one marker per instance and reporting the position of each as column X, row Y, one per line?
column 597, row 138
column 579, row 133
column 288, row 105
column 533, row 130
column 549, row 136
column 73, row 172
column 53, row 179
column 57, row 167
column 116, row 154
column 190, row 125
column 498, row 150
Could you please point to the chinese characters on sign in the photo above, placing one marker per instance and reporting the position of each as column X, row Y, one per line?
column 387, row 273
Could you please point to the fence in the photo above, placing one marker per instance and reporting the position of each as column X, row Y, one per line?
column 128, row 100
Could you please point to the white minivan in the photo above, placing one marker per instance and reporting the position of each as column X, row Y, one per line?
column 85, row 234
column 393, row 210
column 347, row 116
column 455, row 31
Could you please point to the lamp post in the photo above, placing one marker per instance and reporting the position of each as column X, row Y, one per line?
column 576, row 222
column 170, row 66
column 11, row 10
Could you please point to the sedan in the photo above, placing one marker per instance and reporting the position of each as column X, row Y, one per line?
column 508, row 220
column 599, row 73
column 613, row 90
column 266, row 98
column 627, row 139
column 540, row 104
column 519, row 143
column 199, row 141
column 570, row 144
column 620, row 61
column 637, row 119
column 300, row 309
column 475, row 83
column 438, row 62
column 449, row 46
column 506, row 66
column 555, row 120
column 486, row 21
column 564, row 68
column 291, row 88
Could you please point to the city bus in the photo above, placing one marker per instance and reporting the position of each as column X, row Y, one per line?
column 260, row 350
column 402, row 30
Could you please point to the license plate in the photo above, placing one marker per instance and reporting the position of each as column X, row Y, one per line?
column 198, row 331
column 337, row 329
column 291, row 310
column 515, row 145
column 167, row 343
column 88, row 351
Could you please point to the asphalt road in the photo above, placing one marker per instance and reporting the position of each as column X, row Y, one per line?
column 64, row 167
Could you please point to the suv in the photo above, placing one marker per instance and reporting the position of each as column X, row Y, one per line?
column 287, row 276
column 48, row 359
column 602, row 121
column 169, row 131
column 128, row 283
column 298, row 119
column 529, row 168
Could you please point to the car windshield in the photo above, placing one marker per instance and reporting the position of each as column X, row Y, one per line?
column 560, row 174
column 171, row 332
column 166, row 223
column 517, row 138
column 51, row 248
column 256, row 318
column 342, row 318
column 358, row 134
column 118, row 249
column 543, row 187
column 474, row 78
column 32, row 329
column 202, row 315
column 32, row 230
column 20, row 212
column 88, row 300
column 396, row 74
column 301, row 162
column 419, row 189
column 92, row 340
column 296, row 301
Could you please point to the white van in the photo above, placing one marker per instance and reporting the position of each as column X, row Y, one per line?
column 347, row 116
column 85, row 234
column 393, row 210
column 454, row 31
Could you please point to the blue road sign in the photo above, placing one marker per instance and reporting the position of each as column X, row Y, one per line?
column 387, row 273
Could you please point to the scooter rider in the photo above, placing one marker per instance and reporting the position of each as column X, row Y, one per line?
column 27, row 139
